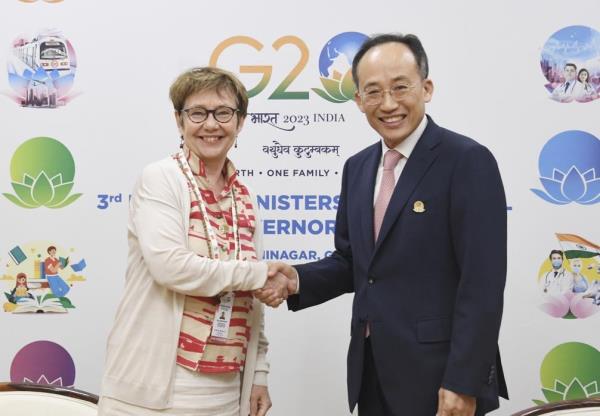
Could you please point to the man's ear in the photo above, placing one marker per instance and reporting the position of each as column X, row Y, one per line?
column 358, row 101
column 427, row 89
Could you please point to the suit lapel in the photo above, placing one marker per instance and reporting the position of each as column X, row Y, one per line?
column 423, row 155
column 367, row 189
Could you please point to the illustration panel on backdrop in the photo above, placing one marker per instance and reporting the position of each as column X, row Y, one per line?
column 43, row 362
column 40, row 277
column 41, row 69
column 571, row 64
column 570, row 371
column 569, row 278
column 42, row 172
column 569, row 166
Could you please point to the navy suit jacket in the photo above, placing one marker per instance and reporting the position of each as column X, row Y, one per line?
column 432, row 285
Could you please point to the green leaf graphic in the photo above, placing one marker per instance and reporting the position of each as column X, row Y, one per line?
column 48, row 296
column 60, row 193
column 66, row 303
column 560, row 386
column 347, row 86
column 326, row 96
column 43, row 191
column 28, row 180
column 66, row 202
column 56, row 180
column 575, row 391
column 552, row 396
column 333, row 88
column 17, row 201
column 24, row 194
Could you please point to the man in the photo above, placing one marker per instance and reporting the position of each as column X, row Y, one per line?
column 571, row 89
column 427, row 262
column 558, row 280
column 52, row 267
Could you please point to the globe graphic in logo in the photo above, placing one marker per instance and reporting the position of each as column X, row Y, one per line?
column 42, row 171
column 335, row 66
column 569, row 167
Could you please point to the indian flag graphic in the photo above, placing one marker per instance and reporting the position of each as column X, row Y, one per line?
column 576, row 247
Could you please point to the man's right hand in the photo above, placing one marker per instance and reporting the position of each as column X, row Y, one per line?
column 282, row 280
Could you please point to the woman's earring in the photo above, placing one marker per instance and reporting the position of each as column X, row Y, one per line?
column 235, row 145
column 181, row 144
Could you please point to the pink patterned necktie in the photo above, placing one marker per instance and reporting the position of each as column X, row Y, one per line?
column 388, row 182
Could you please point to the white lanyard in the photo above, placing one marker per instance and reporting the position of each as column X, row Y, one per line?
column 212, row 237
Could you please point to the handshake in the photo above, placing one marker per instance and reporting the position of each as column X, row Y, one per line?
column 282, row 281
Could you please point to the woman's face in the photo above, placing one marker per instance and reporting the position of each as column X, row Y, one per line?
column 21, row 280
column 583, row 76
column 210, row 140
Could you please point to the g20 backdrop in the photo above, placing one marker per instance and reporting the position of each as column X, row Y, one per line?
column 86, row 85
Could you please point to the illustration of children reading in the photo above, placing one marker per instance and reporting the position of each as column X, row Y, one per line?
column 52, row 266
column 21, row 290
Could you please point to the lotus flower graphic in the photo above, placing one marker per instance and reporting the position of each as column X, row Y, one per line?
column 335, row 67
column 42, row 171
column 569, row 167
column 570, row 371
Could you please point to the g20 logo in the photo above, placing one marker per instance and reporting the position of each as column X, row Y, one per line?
column 335, row 62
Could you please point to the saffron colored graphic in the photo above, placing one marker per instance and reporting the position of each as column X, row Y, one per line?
column 43, row 362
column 41, row 70
column 569, row 278
column 42, row 171
column 569, row 166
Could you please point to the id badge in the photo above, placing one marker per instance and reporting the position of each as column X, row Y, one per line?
column 220, row 328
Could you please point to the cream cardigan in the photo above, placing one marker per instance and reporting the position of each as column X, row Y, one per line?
column 161, row 270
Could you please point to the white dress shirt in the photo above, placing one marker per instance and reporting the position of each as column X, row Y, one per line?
column 405, row 147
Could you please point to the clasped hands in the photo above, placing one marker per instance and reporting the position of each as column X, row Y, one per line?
column 282, row 281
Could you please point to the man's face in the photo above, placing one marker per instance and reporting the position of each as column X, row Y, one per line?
column 556, row 260
column 570, row 73
column 383, row 68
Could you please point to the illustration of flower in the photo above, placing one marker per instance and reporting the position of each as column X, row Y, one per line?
column 42, row 171
column 570, row 371
column 573, row 186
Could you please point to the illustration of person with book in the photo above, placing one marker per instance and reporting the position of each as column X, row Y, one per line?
column 21, row 290
column 52, row 266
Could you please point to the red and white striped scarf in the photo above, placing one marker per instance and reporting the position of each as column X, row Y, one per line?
column 197, row 350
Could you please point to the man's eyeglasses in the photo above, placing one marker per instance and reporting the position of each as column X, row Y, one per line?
column 222, row 114
column 374, row 96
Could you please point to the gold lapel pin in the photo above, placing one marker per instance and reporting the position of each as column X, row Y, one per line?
column 419, row 207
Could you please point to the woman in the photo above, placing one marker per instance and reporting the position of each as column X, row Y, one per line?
column 588, row 92
column 580, row 284
column 188, row 334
